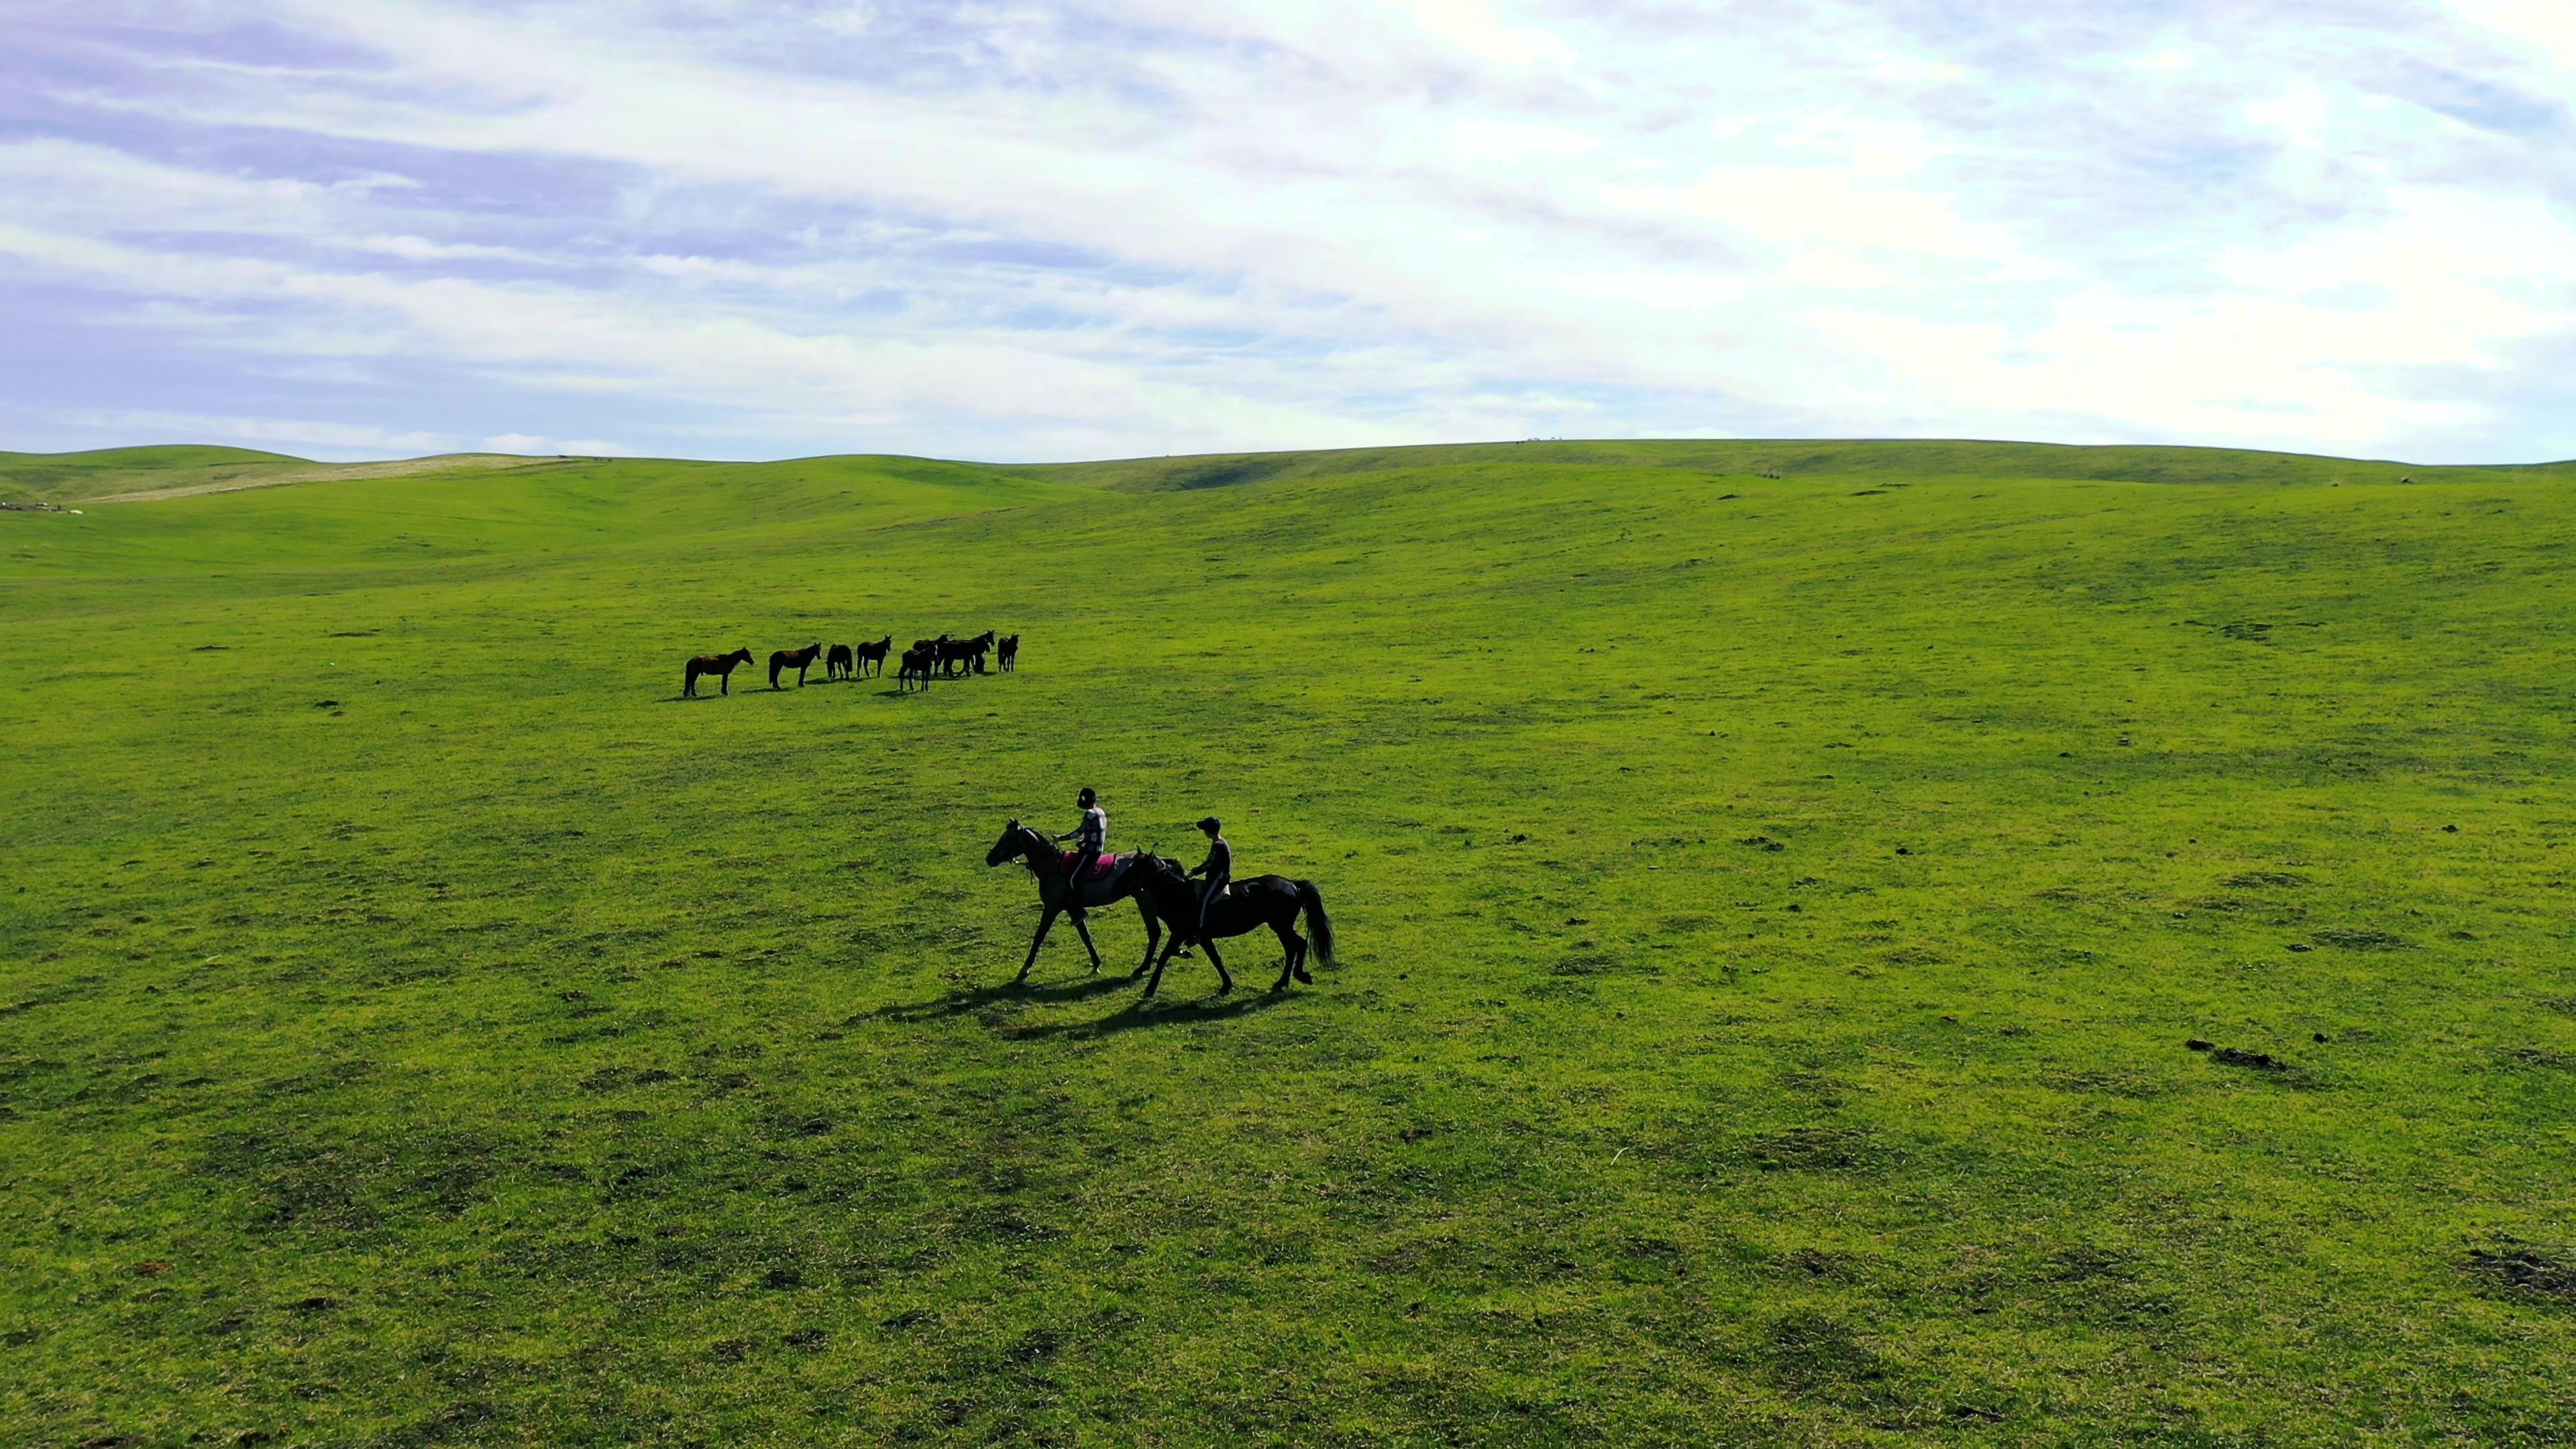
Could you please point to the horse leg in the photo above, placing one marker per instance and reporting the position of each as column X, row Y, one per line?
column 1084, row 931
column 1224, row 978
column 724, row 684
column 1295, row 946
column 1159, row 963
column 1034, row 943
column 1153, row 937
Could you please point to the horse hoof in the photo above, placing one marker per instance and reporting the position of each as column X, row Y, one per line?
column 1302, row 976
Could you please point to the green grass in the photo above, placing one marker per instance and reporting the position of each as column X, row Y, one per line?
column 1772, row 908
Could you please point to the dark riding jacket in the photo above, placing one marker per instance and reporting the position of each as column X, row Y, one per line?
column 1220, row 862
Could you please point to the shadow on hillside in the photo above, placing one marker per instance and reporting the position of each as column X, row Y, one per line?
column 959, row 1003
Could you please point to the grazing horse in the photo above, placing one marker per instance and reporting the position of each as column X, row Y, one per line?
column 799, row 660
column 916, row 665
column 840, row 663
column 1264, row 900
column 1007, row 650
column 719, row 665
column 874, row 654
column 1021, row 843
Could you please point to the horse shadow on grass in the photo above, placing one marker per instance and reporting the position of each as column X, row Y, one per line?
column 1156, row 1013
column 1135, row 1014
column 963, row 1003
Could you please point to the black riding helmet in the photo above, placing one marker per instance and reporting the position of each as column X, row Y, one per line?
column 1211, row 825
column 1086, row 797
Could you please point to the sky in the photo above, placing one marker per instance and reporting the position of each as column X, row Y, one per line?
column 1027, row 231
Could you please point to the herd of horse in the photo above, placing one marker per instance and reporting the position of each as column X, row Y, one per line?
column 943, row 657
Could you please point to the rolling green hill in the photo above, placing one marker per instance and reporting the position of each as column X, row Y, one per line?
column 1774, row 912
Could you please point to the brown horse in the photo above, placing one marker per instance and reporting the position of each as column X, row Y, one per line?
column 799, row 660
column 1023, row 844
column 719, row 665
column 1007, row 651
column 839, row 663
column 874, row 654
column 1264, row 900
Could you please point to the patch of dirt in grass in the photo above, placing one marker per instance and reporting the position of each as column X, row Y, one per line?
column 2532, row 1056
column 2523, row 1269
column 2250, row 880
column 2353, row 938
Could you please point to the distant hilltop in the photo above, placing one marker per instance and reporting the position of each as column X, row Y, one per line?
column 120, row 475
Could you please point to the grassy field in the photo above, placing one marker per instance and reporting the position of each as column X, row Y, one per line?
column 1776, row 885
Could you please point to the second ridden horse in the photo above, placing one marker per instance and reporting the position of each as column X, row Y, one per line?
column 1007, row 651
column 719, row 665
column 839, row 663
column 915, row 665
column 1264, row 900
column 799, row 660
column 874, row 654
column 1021, row 843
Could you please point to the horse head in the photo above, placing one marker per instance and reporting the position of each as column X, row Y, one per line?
column 1012, row 843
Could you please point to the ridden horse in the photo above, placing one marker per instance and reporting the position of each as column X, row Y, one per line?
column 1264, row 900
column 874, row 654
column 719, row 665
column 916, row 665
column 1020, row 842
column 839, row 663
column 1007, row 651
column 799, row 660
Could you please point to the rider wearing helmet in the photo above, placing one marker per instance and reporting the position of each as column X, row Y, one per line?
column 1092, row 841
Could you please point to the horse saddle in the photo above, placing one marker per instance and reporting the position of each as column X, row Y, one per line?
column 1100, row 868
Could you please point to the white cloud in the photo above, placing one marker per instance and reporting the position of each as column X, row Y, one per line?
column 1150, row 226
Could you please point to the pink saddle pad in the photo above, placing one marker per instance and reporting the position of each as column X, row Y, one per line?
column 1099, row 868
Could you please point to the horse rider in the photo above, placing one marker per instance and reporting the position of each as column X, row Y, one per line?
column 1218, row 868
column 1092, row 836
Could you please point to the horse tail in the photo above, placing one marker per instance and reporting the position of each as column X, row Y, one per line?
column 1318, row 925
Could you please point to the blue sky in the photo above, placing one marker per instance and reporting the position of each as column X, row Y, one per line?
column 347, row 228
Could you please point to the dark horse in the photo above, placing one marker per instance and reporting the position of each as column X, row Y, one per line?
column 719, row 665
column 874, row 654
column 839, row 663
column 799, row 660
column 1044, row 861
column 1264, row 900
column 970, row 652
column 1007, row 650
column 916, row 665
